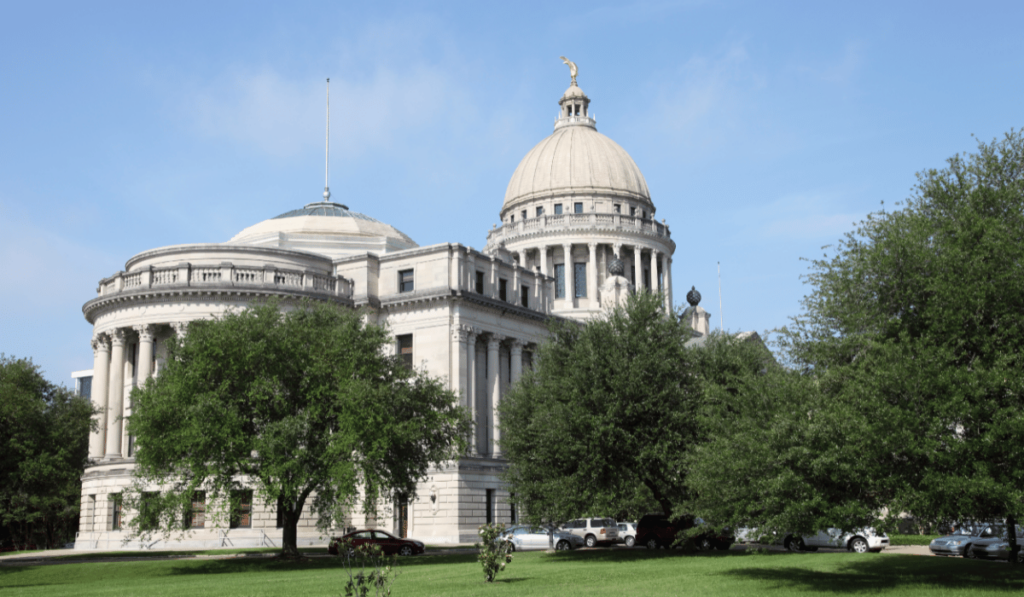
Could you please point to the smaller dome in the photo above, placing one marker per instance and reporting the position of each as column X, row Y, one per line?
column 573, row 91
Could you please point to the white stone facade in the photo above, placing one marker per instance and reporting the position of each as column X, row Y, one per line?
column 471, row 318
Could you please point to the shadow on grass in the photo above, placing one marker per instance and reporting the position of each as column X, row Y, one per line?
column 243, row 565
column 876, row 573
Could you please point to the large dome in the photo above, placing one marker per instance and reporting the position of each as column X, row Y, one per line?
column 327, row 228
column 576, row 160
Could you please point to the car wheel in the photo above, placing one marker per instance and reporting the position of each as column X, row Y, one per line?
column 563, row 545
column 704, row 544
column 859, row 545
column 630, row 541
column 652, row 543
column 591, row 541
column 723, row 546
column 969, row 553
column 405, row 551
column 795, row 544
column 511, row 547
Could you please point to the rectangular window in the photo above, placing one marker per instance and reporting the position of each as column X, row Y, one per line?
column 558, row 209
column 503, row 289
column 524, row 296
column 632, row 211
column 540, row 211
column 577, row 208
column 647, row 279
column 490, row 506
column 241, row 509
column 479, row 282
column 644, row 212
column 195, row 517
column 405, row 349
column 513, row 516
column 131, row 445
column 632, row 276
column 523, row 214
column 579, row 279
column 116, row 512
column 560, row 280
column 85, row 387
column 90, row 513
column 405, row 281
column 149, row 511
column 512, row 219
column 618, row 208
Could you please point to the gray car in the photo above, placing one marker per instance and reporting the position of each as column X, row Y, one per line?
column 958, row 543
column 996, row 547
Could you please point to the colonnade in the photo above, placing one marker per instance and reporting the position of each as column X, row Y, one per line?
column 660, row 262
column 465, row 340
column 108, row 383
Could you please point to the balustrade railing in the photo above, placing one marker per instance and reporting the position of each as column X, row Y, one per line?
column 591, row 220
column 225, row 274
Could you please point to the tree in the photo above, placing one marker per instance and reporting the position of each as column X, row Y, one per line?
column 604, row 421
column 44, row 445
column 915, row 328
column 299, row 405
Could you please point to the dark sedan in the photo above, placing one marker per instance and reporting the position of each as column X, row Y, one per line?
column 388, row 543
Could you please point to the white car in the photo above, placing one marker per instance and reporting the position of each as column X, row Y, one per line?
column 524, row 538
column 627, row 533
column 861, row 541
column 593, row 530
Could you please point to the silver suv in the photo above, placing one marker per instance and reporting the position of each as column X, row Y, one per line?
column 593, row 530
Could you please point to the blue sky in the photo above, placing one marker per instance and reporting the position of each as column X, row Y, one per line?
column 764, row 129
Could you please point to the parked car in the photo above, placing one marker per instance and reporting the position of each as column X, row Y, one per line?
column 627, row 533
column 524, row 538
column 860, row 541
column 656, row 531
column 996, row 546
column 594, row 531
column 959, row 542
column 388, row 543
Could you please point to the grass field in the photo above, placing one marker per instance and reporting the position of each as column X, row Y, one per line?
column 589, row 573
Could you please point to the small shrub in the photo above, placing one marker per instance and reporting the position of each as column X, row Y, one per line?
column 494, row 550
column 382, row 569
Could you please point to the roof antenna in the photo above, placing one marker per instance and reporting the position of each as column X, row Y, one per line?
column 721, row 318
column 327, row 157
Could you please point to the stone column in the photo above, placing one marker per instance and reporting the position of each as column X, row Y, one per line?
column 592, row 275
column 655, row 256
column 638, row 264
column 146, row 333
column 100, row 381
column 470, row 270
column 570, row 291
column 471, row 336
column 543, row 259
column 494, row 388
column 516, row 348
column 668, row 283
column 115, row 394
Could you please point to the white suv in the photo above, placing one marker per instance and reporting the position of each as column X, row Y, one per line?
column 862, row 541
column 627, row 533
column 593, row 530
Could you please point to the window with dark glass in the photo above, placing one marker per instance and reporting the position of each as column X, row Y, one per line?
column 85, row 387
column 523, row 214
column 405, row 349
column 116, row 512
column 405, row 281
column 579, row 279
column 241, row 511
column 577, row 208
column 644, row 212
column 195, row 516
column 513, row 517
column 559, row 280
column 558, row 209
column 503, row 289
column 524, row 296
column 479, row 282
column 647, row 279
column 540, row 211
column 512, row 219
column 632, row 211
column 618, row 208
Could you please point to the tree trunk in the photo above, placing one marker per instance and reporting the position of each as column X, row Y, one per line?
column 1011, row 533
column 290, row 539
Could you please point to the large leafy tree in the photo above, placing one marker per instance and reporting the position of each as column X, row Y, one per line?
column 305, row 405
column 604, row 421
column 914, row 328
column 44, row 445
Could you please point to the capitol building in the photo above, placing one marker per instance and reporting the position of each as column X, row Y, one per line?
column 578, row 230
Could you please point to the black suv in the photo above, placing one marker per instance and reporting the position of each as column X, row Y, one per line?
column 656, row 530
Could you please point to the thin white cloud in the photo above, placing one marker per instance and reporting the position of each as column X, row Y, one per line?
column 841, row 70
column 812, row 215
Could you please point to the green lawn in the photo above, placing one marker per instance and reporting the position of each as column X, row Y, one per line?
column 583, row 573
column 911, row 539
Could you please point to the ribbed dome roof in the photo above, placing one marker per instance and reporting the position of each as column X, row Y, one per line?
column 575, row 160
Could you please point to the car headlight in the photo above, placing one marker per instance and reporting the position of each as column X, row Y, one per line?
column 1000, row 546
column 951, row 543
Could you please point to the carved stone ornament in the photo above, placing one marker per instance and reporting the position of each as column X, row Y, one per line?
column 145, row 332
column 118, row 336
column 616, row 267
column 693, row 297
column 100, row 343
column 573, row 71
